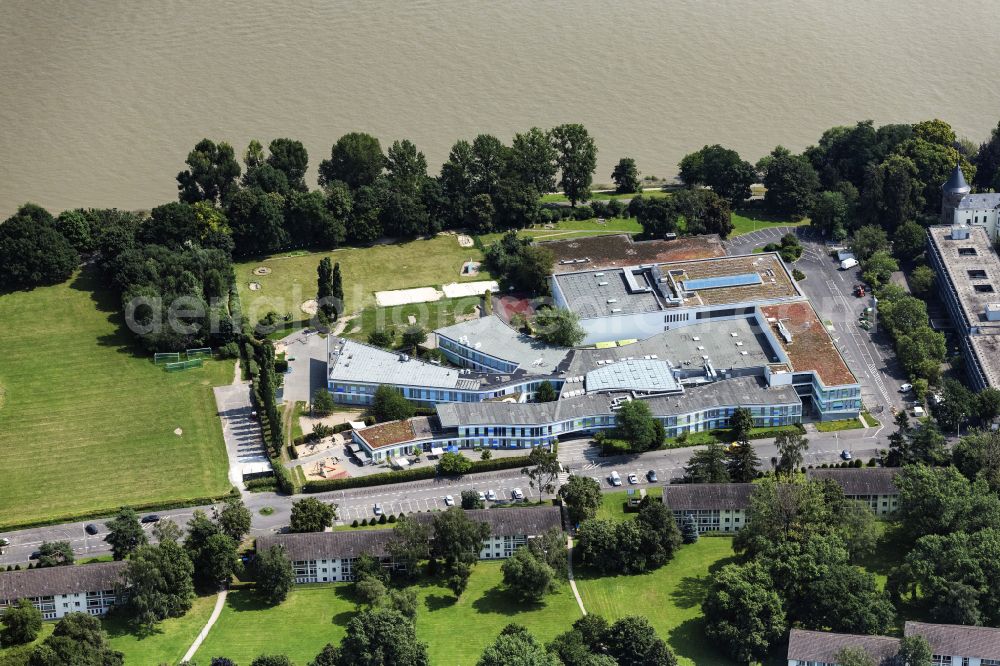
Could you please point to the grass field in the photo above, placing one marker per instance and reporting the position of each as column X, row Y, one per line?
column 87, row 425
column 613, row 504
column 311, row 617
column 431, row 316
column 166, row 645
column 418, row 263
column 314, row 615
column 670, row 598
column 841, row 424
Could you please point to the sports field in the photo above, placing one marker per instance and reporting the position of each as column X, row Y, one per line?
column 87, row 425
column 314, row 615
column 418, row 263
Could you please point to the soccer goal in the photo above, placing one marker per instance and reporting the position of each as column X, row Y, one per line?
column 201, row 352
column 166, row 357
column 184, row 365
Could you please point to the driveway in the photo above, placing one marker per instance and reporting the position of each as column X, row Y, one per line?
column 244, row 443
column 870, row 356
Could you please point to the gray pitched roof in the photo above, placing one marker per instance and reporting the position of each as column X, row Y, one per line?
column 48, row 581
column 958, row 640
column 823, row 646
column 692, row 496
column 985, row 200
column 956, row 182
column 863, row 481
column 353, row 543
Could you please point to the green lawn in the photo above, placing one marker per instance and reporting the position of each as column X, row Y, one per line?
column 457, row 632
column 418, row 263
column 670, row 598
column 166, row 645
column 87, row 425
column 170, row 640
column 314, row 615
column 311, row 617
column 566, row 229
column 613, row 504
column 840, row 424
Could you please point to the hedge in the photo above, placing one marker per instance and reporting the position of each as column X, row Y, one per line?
column 263, row 483
column 412, row 474
column 282, row 477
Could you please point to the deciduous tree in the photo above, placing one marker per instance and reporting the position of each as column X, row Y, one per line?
column 626, row 177
column 576, row 158
column 743, row 612
column 707, row 465
column 311, row 515
column 125, row 533
column 275, row 575
column 356, row 159
column 21, row 624
column 160, row 583
column 527, row 576
column 582, row 496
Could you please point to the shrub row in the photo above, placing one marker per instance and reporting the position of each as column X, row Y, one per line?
column 263, row 483
column 282, row 477
column 413, row 474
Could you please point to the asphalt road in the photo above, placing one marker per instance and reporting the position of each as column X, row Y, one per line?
column 577, row 456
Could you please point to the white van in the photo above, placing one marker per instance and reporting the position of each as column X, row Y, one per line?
column 848, row 263
column 615, row 479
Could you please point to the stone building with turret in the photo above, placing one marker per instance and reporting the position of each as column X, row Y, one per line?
column 960, row 206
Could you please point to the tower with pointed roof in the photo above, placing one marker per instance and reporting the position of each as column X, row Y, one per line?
column 951, row 194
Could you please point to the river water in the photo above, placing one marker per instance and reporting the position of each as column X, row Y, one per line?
column 101, row 100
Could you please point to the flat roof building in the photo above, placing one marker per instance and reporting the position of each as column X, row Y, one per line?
column 968, row 278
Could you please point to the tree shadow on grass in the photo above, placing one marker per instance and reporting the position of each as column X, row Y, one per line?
column 105, row 300
column 248, row 601
column 688, row 640
column 715, row 566
column 436, row 602
column 690, row 591
column 119, row 625
column 500, row 601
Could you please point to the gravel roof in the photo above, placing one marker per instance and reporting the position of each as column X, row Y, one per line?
column 47, row 581
column 811, row 347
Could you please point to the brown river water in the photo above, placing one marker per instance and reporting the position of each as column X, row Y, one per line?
column 101, row 100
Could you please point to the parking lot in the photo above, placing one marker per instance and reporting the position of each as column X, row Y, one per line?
column 869, row 354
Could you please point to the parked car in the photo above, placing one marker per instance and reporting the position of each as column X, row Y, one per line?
column 4, row 542
column 905, row 388
column 34, row 555
column 151, row 518
column 491, row 495
column 378, row 509
column 482, row 496
column 651, row 475
column 449, row 500
column 633, row 478
column 517, row 494
column 846, row 455
column 91, row 529
column 614, row 479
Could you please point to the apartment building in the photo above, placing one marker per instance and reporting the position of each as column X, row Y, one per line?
column 58, row 591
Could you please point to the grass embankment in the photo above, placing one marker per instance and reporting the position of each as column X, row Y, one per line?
column 559, row 197
column 840, row 424
column 87, row 424
column 746, row 221
column 613, row 504
column 419, row 263
column 166, row 645
column 314, row 615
